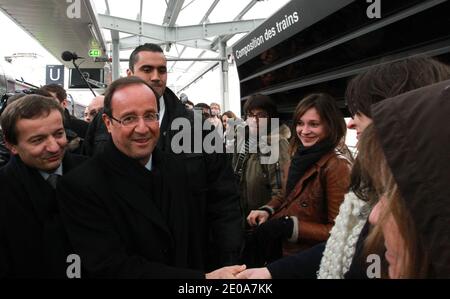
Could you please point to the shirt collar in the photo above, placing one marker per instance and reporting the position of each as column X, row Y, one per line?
column 162, row 109
column 58, row 171
column 149, row 164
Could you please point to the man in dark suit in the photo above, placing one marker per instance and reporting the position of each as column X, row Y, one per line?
column 209, row 177
column 126, row 212
column 32, row 240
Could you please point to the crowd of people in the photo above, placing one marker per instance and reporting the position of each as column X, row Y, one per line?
column 276, row 202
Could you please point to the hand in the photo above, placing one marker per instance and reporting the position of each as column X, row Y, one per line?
column 257, row 217
column 229, row 272
column 255, row 273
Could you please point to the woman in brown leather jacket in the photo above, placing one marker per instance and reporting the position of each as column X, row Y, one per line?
column 314, row 182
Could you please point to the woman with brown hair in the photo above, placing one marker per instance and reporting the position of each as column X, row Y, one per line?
column 227, row 115
column 315, row 182
column 406, row 157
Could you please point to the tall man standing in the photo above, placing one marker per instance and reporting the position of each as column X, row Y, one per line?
column 33, row 243
column 126, row 211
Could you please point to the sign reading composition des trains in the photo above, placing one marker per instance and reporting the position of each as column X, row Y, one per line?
column 294, row 17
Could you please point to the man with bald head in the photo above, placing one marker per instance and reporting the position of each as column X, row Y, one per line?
column 94, row 108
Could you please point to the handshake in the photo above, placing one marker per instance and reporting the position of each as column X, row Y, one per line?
column 267, row 231
column 239, row 272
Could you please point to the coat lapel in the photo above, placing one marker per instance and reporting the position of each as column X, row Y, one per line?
column 33, row 187
column 139, row 201
column 130, row 182
column 309, row 173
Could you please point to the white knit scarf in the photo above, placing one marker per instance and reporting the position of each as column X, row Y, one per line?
column 340, row 247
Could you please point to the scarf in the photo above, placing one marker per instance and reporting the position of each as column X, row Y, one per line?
column 303, row 159
column 341, row 245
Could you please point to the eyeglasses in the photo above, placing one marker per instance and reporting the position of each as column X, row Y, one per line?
column 257, row 115
column 133, row 120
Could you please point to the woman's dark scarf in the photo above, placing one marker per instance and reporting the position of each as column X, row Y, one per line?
column 303, row 159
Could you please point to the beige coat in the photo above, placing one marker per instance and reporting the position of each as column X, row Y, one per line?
column 261, row 182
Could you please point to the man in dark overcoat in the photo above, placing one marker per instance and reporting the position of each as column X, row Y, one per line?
column 209, row 178
column 33, row 243
column 126, row 211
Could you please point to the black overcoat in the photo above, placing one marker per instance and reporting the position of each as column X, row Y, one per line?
column 125, row 221
column 33, row 243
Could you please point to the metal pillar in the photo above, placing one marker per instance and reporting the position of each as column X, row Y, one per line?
column 225, row 105
column 115, row 55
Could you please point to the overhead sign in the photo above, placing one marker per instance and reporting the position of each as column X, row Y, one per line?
column 292, row 18
column 54, row 74
column 95, row 53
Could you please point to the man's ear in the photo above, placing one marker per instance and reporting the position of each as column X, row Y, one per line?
column 107, row 121
column 11, row 147
column 64, row 103
column 129, row 73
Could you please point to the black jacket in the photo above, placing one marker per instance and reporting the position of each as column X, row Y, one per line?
column 74, row 124
column 127, row 222
column 96, row 137
column 32, row 240
column 4, row 151
column 209, row 178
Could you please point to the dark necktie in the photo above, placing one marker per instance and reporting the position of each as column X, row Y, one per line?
column 53, row 180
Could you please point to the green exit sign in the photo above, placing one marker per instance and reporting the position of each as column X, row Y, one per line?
column 95, row 53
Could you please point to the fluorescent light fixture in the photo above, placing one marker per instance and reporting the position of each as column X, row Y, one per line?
column 94, row 33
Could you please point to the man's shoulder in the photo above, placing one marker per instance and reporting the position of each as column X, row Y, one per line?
column 7, row 172
column 15, row 179
column 174, row 105
column 169, row 96
column 5, row 175
column 4, row 168
column 168, row 160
